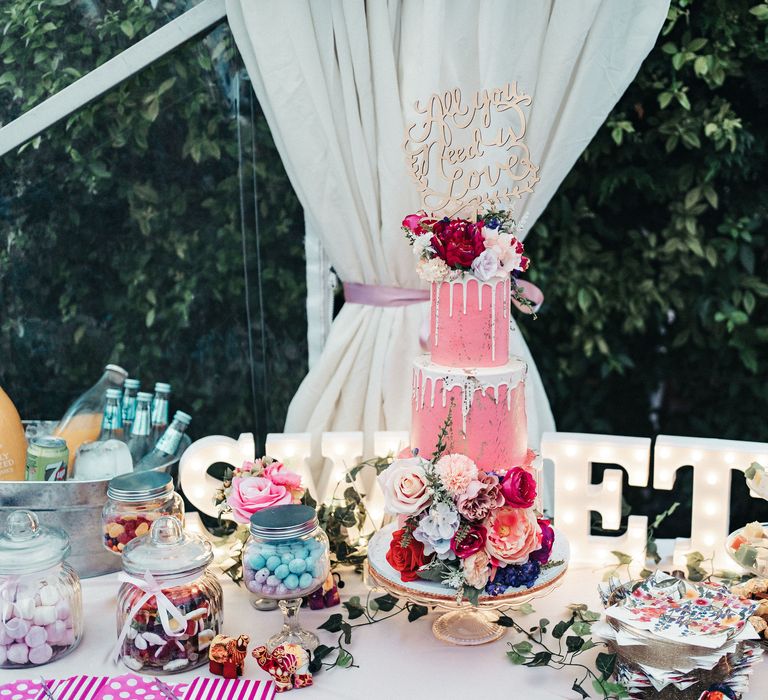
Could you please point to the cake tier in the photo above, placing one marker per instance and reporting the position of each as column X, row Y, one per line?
column 469, row 324
column 487, row 408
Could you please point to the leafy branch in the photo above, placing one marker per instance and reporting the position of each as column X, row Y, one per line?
column 535, row 651
column 374, row 610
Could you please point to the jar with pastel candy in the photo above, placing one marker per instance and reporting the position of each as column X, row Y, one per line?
column 169, row 607
column 287, row 553
column 41, row 610
column 285, row 558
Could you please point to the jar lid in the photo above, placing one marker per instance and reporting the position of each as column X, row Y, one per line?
column 116, row 368
column 27, row 546
column 132, row 384
column 167, row 550
column 162, row 386
column 144, row 396
column 139, row 486
column 284, row 522
column 114, row 393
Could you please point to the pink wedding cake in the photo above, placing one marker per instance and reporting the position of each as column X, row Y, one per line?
column 469, row 384
column 470, row 376
column 466, row 494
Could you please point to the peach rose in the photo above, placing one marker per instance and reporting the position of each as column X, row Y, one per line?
column 513, row 533
column 404, row 483
column 477, row 569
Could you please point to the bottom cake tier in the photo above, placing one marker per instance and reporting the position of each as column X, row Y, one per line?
column 486, row 408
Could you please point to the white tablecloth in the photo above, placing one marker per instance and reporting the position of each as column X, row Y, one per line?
column 396, row 659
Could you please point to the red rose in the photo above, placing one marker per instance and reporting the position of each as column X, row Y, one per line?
column 406, row 559
column 458, row 242
column 519, row 488
column 472, row 542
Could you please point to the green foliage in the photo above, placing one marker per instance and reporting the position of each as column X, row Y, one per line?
column 120, row 230
column 536, row 650
column 653, row 253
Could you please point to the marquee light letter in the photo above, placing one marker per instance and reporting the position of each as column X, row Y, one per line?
column 293, row 450
column 573, row 455
column 712, row 461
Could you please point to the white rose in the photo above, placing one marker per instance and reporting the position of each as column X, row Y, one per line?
column 486, row 265
column 404, row 484
column 434, row 270
column 421, row 245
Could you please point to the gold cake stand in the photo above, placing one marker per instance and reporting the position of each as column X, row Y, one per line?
column 463, row 624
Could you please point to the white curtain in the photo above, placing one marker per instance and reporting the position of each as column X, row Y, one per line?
column 337, row 80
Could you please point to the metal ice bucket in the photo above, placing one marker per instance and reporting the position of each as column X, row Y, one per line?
column 74, row 506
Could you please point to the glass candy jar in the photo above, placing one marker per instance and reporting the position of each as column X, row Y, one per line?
column 169, row 607
column 286, row 557
column 134, row 502
column 41, row 608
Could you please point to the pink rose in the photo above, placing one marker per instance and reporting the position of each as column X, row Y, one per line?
column 513, row 534
column 251, row 494
column 519, row 488
column 481, row 497
column 280, row 476
column 404, row 483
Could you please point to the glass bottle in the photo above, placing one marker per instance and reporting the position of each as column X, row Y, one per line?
column 167, row 445
column 112, row 423
column 40, row 593
column 82, row 420
column 130, row 389
column 134, row 502
column 150, row 635
column 140, row 440
column 160, row 410
column 286, row 557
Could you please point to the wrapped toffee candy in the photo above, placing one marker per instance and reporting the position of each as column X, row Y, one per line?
column 41, row 616
column 169, row 605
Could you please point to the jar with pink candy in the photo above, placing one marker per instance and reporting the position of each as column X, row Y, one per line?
column 41, row 607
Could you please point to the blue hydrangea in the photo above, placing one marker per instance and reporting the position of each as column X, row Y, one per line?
column 493, row 223
column 436, row 530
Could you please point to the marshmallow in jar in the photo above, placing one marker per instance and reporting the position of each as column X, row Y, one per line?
column 287, row 553
column 169, row 607
column 41, row 616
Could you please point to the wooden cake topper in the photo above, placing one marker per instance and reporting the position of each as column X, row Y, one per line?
column 465, row 155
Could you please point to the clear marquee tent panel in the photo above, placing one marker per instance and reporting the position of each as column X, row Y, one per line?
column 153, row 227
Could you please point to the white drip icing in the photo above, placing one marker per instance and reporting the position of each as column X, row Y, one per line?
column 450, row 300
column 493, row 325
column 464, row 295
column 480, row 286
column 437, row 312
column 469, row 381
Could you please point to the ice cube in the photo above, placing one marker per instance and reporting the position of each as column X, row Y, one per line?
column 102, row 460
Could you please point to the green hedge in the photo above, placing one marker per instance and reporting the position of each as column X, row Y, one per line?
column 121, row 233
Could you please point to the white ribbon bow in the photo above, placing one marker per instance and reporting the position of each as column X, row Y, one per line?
column 166, row 610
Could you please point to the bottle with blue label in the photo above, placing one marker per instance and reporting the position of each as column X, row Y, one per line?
column 112, row 423
column 160, row 410
column 168, row 444
column 130, row 389
column 140, row 441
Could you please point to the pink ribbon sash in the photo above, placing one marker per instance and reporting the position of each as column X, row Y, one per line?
column 380, row 295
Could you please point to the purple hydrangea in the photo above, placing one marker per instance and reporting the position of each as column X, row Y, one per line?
column 514, row 576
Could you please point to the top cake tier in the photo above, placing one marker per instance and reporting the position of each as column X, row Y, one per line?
column 469, row 324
